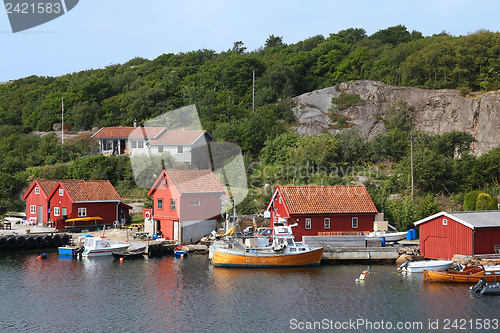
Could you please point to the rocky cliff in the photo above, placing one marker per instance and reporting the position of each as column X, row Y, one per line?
column 435, row 111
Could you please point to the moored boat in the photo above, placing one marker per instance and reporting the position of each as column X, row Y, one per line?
column 130, row 254
column 388, row 236
column 470, row 274
column 284, row 252
column 181, row 250
column 96, row 246
column 419, row 266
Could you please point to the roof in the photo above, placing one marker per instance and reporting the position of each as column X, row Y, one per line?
column 177, row 137
column 127, row 132
column 473, row 220
column 46, row 185
column 90, row 191
column 338, row 199
column 191, row 181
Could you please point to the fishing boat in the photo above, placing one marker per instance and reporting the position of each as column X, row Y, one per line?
column 419, row 266
column 96, row 246
column 388, row 236
column 130, row 254
column 181, row 250
column 283, row 252
column 470, row 274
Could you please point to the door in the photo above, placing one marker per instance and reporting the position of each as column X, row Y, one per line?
column 176, row 231
column 39, row 219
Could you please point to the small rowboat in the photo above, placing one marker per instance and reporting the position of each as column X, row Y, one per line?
column 470, row 274
column 130, row 254
column 181, row 250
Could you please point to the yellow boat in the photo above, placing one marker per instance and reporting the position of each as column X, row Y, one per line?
column 283, row 252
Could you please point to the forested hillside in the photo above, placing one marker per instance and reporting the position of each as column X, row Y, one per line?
column 220, row 84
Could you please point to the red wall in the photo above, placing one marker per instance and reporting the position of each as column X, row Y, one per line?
column 37, row 200
column 438, row 241
column 485, row 240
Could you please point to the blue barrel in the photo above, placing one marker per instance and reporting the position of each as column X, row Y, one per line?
column 155, row 236
column 409, row 234
column 383, row 241
column 414, row 233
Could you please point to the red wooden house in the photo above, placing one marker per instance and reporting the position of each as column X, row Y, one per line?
column 323, row 210
column 36, row 200
column 93, row 203
column 467, row 233
column 186, row 203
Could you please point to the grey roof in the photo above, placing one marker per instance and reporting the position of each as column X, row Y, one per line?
column 480, row 219
column 473, row 220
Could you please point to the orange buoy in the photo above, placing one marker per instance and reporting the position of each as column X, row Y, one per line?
column 121, row 260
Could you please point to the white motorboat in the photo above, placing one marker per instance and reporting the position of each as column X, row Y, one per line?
column 431, row 265
column 96, row 246
column 388, row 236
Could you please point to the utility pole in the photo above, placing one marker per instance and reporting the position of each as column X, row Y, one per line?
column 253, row 91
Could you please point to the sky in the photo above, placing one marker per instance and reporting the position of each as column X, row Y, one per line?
column 99, row 33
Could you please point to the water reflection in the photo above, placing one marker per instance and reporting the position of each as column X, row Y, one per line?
column 101, row 294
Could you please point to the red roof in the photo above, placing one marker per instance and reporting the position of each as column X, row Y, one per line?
column 177, row 137
column 46, row 185
column 126, row 132
column 338, row 199
column 191, row 181
column 91, row 190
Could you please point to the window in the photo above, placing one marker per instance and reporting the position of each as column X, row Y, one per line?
column 56, row 211
column 172, row 204
column 133, row 143
column 32, row 209
column 308, row 223
column 82, row 212
column 180, row 149
column 327, row 223
column 160, row 149
column 194, row 203
column 140, row 144
column 279, row 200
column 61, row 192
column 37, row 190
column 159, row 204
column 354, row 222
column 445, row 221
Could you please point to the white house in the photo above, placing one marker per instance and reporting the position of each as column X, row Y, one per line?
column 183, row 145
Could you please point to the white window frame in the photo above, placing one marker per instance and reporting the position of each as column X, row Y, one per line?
column 57, row 211
column 37, row 190
column 82, row 212
column 160, row 149
column 180, row 149
column 173, row 205
column 355, row 223
column 308, row 223
column 61, row 192
column 327, row 223
column 32, row 209
column 445, row 221
column 159, row 203
column 194, row 203
column 140, row 144
column 133, row 144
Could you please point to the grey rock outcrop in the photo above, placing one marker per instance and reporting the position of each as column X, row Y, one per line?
column 435, row 111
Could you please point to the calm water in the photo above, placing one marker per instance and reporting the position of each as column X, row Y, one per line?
column 188, row 295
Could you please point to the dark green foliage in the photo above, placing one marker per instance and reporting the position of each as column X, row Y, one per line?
column 346, row 100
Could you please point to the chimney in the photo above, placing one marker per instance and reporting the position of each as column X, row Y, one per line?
column 135, row 122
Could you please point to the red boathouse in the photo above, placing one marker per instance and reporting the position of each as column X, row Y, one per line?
column 467, row 233
column 323, row 210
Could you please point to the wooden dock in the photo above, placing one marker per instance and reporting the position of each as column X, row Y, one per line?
column 352, row 248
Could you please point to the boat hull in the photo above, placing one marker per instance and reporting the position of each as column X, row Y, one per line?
column 67, row 250
column 462, row 277
column 227, row 258
column 419, row 267
column 104, row 251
